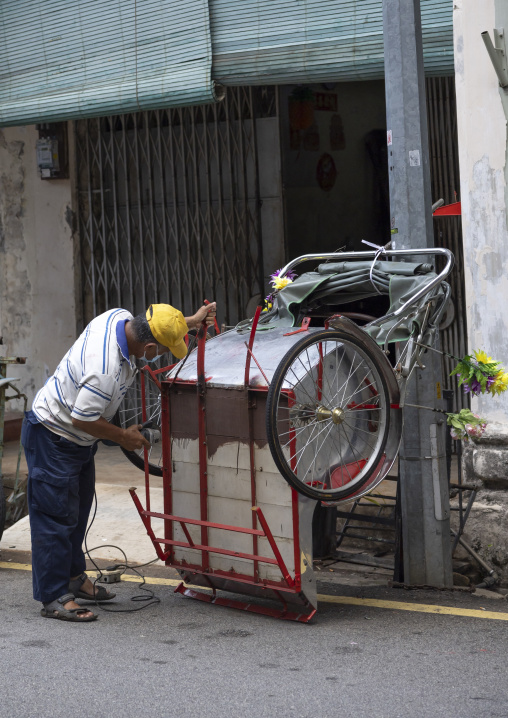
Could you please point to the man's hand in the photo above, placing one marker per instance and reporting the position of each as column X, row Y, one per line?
column 205, row 313
column 133, row 439
column 130, row 439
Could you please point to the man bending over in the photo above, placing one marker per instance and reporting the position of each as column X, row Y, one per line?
column 71, row 412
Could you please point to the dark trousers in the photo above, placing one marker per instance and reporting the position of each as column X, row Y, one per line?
column 61, row 485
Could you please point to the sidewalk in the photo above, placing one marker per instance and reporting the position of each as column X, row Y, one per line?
column 117, row 521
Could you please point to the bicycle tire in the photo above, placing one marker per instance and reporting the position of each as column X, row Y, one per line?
column 338, row 416
column 130, row 413
column 137, row 459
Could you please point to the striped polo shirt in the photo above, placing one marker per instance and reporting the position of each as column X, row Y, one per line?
column 90, row 381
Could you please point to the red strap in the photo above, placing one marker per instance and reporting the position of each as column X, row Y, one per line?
column 303, row 328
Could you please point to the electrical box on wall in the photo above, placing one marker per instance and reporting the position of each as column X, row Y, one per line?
column 47, row 158
column 51, row 149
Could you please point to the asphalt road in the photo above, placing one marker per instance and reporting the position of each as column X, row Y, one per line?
column 183, row 657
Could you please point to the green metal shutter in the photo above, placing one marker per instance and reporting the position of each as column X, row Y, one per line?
column 282, row 41
column 61, row 59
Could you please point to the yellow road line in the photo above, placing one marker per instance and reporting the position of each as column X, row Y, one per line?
column 323, row 598
column 16, row 566
column 415, row 607
column 125, row 577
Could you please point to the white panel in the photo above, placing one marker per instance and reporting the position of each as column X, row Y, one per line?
column 187, row 506
column 233, row 455
column 230, row 511
column 185, row 450
column 279, row 519
column 286, row 549
column 185, row 477
column 229, row 484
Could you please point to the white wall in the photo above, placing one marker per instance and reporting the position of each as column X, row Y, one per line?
column 37, row 279
column 482, row 133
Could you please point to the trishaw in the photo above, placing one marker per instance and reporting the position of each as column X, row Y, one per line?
column 297, row 406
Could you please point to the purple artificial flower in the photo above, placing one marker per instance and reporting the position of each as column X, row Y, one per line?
column 490, row 381
column 476, row 387
column 290, row 275
column 269, row 298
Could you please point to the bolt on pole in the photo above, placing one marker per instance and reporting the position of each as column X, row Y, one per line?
column 423, row 478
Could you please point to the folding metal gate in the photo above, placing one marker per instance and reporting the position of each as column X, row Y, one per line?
column 169, row 206
column 444, row 168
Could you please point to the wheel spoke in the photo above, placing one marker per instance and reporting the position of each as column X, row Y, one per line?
column 322, row 443
column 363, row 432
column 359, row 389
column 296, row 432
column 311, row 438
column 299, row 385
column 344, row 464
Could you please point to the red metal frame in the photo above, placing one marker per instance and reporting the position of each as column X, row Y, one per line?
column 250, row 345
column 203, row 458
column 285, row 613
column 253, row 497
column 292, row 448
column 303, row 328
column 287, row 585
column 215, row 323
column 249, row 351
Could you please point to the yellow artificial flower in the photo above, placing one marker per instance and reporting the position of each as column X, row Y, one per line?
column 482, row 357
column 500, row 383
column 267, row 307
column 281, row 282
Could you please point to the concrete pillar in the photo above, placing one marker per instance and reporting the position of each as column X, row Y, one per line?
column 423, row 480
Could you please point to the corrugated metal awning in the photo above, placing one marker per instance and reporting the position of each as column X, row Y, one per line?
column 61, row 60
column 303, row 41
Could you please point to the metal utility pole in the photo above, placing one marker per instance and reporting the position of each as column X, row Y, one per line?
column 424, row 486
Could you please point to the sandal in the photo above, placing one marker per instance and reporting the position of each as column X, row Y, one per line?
column 55, row 609
column 100, row 592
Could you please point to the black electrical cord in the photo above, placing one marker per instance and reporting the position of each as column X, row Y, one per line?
column 127, row 567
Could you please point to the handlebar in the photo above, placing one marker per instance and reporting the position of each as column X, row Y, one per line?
column 341, row 256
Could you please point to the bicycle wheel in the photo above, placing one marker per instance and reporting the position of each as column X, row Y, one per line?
column 130, row 413
column 328, row 415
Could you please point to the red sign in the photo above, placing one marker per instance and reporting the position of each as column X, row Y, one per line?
column 325, row 101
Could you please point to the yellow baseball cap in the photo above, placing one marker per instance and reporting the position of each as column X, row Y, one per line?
column 168, row 326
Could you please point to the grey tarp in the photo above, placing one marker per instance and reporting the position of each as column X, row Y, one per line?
column 339, row 283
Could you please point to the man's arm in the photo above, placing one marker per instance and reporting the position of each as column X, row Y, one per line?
column 130, row 439
column 205, row 313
